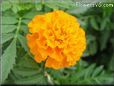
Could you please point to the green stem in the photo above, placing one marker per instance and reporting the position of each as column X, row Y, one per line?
column 43, row 66
column 18, row 28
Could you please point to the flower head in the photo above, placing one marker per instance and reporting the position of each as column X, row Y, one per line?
column 56, row 38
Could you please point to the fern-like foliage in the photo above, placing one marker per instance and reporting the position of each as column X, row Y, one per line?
column 83, row 74
column 17, row 64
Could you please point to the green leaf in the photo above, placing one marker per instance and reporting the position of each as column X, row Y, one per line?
column 23, row 42
column 25, row 6
column 90, row 75
column 24, row 72
column 6, row 37
column 30, row 63
column 105, row 34
column 89, row 71
column 15, row 8
column 90, row 38
column 9, row 20
column 94, row 24
column 64, row 4
column 38, row 6
column 25, row 29
column 5, row 5
column 67, row 4
column 36, row 79
column 8, row 60
column 26, row 21
column 82, row 63
column 52, row 5
column 103, row 24
column 97, row 71
column 78, row 10
column 111, row 63
column 8, row 28
column 31, row 14
column 9, row 13
column 106, row 79
column 27, row 71
column 92, row 48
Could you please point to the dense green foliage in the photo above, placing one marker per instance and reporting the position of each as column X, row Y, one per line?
column 17, row 64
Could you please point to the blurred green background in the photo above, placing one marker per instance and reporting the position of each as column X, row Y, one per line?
column 97, row 63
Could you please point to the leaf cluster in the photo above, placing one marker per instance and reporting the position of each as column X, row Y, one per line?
column 17, row 64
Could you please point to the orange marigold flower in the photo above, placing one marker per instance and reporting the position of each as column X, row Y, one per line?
column 56, row 38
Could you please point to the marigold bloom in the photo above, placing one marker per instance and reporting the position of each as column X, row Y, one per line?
column 56, row 38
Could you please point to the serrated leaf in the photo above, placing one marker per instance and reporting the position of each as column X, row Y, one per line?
column 6, row 37
column 15, row 8
column 105, row 79
column 8, row 59
column 31, row 14
column 65, row 4
column 25, row 6
column 27, row 71
column 9, row 13
column 30, row 63
column 5, row 5
column 89, row 71
column 8, row 28
column 97, row 71
column 9, row 20
column 52, row 5
column 23, row 42
column 24, row 72
column 80, row 75
column 36, row 79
